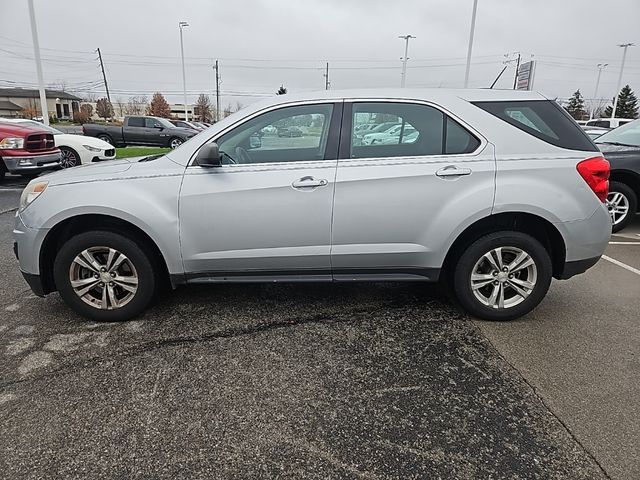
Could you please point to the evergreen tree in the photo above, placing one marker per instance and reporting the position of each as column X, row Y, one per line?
column 281, row 90
column 627, row 104
column 575, row 107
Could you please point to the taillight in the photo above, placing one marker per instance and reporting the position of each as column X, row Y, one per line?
column 595, row 171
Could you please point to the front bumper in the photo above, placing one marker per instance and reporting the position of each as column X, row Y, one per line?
column 27, row 245
column 109, row 154
column 32, row 164
column 35, row 283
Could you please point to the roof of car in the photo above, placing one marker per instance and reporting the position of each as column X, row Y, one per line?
column 433, row 94
column 411, row 94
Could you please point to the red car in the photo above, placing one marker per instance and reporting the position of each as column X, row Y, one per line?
column 26, row 150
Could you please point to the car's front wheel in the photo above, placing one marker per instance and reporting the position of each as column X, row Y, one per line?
column 502, row 276
column 175, row 142
column 69, row 157
column 622, row 204
column 104, row 276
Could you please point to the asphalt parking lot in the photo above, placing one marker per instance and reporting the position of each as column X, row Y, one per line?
column 323, row 381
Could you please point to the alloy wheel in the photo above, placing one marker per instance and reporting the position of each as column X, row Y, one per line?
column 103, row 278
column 618, row 205
column 68, row 158
column 504, row 277
column 175, row 143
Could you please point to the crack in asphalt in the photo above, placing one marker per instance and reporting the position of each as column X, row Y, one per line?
column 2, row 212
column 543, row 402
column 354, row 315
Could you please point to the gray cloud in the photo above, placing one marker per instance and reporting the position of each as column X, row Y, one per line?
column 264, row 43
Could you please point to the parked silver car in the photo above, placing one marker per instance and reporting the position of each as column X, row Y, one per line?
column 499, row 192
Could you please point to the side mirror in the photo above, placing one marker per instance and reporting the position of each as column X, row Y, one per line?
column 209, row 156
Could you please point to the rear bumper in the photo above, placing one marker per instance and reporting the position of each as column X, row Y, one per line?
column 32, row 164
column 577, row 267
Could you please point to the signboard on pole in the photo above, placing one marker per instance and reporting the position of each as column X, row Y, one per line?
column 525, row 76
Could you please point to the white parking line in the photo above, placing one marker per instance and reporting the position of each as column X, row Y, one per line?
column 620, row 264
column 624, row 243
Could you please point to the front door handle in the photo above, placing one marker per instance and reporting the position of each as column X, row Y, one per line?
column 453, row 171
column 309, row 182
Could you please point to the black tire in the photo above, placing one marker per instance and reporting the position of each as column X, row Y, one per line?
column 106, row 138
column 3, row 169
column 632, row 200
column 174, row 140
column 70, row 157
column 474, row 252
column 143, row 265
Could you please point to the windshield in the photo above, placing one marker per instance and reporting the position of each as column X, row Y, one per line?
column 164, row 122
column 628, row 134
column 42, row 126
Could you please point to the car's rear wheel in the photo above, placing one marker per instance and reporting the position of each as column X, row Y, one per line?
column 69, row 157
column 502, row 276
column 106, row 138
column 104, row 276
column 622, row 203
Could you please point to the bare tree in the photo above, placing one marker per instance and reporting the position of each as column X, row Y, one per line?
column 136, row 105
column 120, row 106
column 203, row 108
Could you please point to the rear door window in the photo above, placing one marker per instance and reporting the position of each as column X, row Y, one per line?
column 388, row 129
column 135, row 122
column 544, row 119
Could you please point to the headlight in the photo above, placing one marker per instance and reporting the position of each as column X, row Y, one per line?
column 12, row 143
column 92, row 149
column 31, row 192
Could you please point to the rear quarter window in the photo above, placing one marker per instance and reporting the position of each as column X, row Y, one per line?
column 544, row 119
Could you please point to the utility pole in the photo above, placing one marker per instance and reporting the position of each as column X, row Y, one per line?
column 326, row 78
column 470, row 49
column 217, row 69
column 624, row 57
column 36, row 51
column 515, row 79
column 181, row 25
column 601, row 66
column 104, row 76
column 405, row 58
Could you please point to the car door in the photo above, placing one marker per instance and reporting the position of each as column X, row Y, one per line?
column 133, row 131
column 266, row 212
column 156, row 132
column 397, row 204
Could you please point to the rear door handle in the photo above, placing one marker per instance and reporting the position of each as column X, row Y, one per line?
column 309, row 182
column 453, row 171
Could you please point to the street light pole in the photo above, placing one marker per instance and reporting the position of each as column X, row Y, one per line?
column 184, row 77
column 624, row 57
column 601, row 66
column 405, row 58
column 36, row 51
column 470, row 49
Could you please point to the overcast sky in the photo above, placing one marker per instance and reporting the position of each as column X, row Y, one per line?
column 262, row 44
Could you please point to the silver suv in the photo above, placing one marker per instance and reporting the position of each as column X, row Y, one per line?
column 492, row 192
